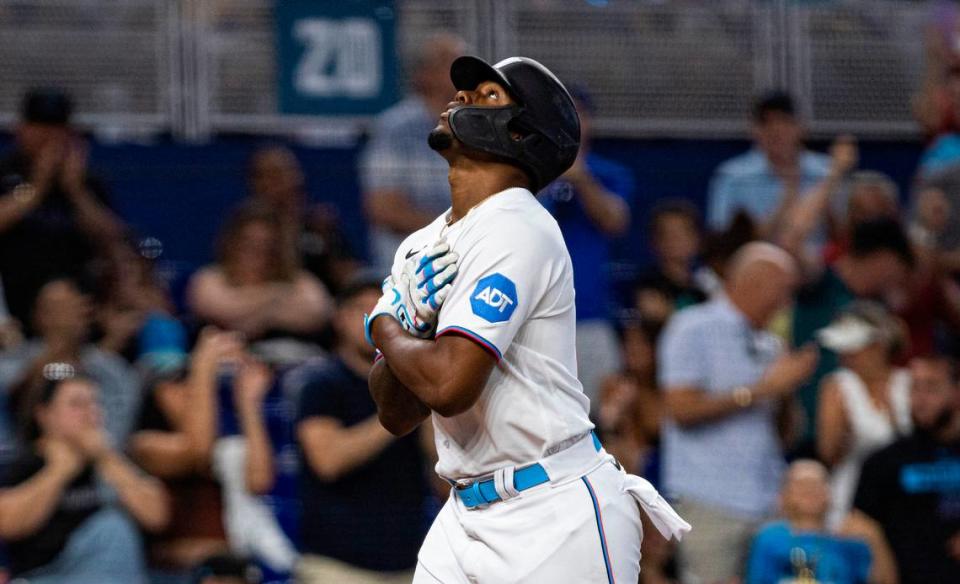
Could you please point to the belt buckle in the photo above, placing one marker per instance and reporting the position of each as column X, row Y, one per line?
column 476, row 500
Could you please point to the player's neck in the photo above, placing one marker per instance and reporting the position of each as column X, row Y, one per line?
column 472, row 183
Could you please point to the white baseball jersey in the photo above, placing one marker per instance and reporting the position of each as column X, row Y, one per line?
column 513, row 296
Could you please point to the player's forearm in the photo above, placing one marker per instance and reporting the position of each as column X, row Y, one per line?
column 399, row 410
column 427, row 368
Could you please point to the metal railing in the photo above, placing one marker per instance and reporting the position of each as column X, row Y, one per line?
column 684, row 68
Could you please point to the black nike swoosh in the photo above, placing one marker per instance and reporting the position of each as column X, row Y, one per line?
column 411, row 253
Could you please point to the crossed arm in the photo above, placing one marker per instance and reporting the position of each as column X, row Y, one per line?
column 416, row 376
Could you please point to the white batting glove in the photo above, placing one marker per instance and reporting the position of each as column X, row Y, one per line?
column 431, row 276
column 397, row 303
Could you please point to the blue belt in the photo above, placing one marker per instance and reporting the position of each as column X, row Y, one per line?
column 485, row 492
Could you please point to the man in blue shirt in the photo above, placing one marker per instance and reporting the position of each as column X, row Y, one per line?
column 364, row 492
column 591, row 203
column 800, row 549
column 774, row 173
column 726, row 380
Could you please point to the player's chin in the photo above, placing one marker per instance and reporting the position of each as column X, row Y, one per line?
column 440, row 139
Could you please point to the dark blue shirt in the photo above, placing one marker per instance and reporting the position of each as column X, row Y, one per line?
column 588, row 246
column 779, row 554
column 374, row 517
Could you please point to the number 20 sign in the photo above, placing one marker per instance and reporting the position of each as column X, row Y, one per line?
column 336, row 57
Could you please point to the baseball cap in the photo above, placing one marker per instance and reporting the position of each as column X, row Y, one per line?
column 48, row 105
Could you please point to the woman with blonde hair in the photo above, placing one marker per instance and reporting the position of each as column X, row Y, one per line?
column 865, row 404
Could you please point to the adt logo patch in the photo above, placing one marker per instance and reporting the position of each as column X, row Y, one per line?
column 495, row 298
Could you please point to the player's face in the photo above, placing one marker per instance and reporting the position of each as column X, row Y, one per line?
column 487, row 94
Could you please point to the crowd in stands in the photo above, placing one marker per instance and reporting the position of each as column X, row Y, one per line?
column 784, row 370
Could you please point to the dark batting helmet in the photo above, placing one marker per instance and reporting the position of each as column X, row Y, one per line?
column 540, row 132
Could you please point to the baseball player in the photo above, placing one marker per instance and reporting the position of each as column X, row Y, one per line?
column 535, row 498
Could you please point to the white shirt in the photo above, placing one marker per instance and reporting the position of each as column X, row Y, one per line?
column 514, row 297
column 870, row 430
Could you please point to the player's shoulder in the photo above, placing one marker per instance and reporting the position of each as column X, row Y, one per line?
column 517, row 219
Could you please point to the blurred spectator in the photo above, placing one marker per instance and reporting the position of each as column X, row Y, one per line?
column 591, row 203
column 720, row 247
column 800, row 219
column 935, row 105
column 671, row 283
column 932, row 217
column 62, row 318
column 911, row 487
column 10, row 337
column 255, row 287
column 628, row 421
column 174, row 441
column 727, row 381
column 134, row 312
column 352, row 532
column 878, row 261
column 53, row 214
column 70, row 504
column 926, row 300
column 935, row 221
column 630, row 406
column 276, row 181
column 227, row 569
column 801, row 548
column 768, row 179
column 243, row 462
column 864, row 405
column 404, row 181
column 873, row 195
